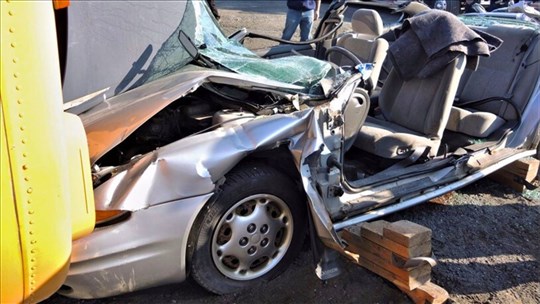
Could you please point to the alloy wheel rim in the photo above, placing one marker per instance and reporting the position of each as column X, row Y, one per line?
column 252, row 237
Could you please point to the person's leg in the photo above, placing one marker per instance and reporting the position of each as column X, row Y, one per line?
column 213, row 8
column 291, row 23
column 305, row 25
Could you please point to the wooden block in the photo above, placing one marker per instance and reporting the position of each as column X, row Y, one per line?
column 529, row 166
column 355, row 229
column 427, row 293
column 384, row 262
column 523, row 168
column 353, row 240
column 374, row 232
column 411, row 283
column 360, row 244
column 420, row 274
column 434, row 294
column 373, row 229
column 380, row 271
column 384, row 253
column 407, row 233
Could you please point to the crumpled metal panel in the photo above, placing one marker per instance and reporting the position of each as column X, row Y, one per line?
column 190, row 167
column 112, row 121
column 166, row 79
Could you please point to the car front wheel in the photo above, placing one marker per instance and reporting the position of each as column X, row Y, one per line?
column 250, row 233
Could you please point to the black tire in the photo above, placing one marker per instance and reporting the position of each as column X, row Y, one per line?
column 223, row 236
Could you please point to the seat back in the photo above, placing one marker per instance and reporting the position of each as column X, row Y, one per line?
column 367, row 22
column 422, row 105
column 363, row 42
column 511, row 71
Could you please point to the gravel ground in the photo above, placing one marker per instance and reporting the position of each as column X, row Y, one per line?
column 485, row 236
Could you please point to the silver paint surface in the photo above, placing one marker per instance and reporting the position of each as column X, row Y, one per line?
column 146, row 250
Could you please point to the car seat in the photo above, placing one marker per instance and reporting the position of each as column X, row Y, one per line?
column 363, row 42
column 413, row 113
column 494, row 95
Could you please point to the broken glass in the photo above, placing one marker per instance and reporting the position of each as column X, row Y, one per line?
column 486, row 21
column 211, row 42
column 299, row 70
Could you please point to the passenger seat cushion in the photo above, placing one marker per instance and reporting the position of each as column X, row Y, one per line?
column 389, row 140
column 473, row 123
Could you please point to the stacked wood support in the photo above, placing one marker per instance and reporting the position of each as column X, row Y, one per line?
column 514, row 173
column 399, row 252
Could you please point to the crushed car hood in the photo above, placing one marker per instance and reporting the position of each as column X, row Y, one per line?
column 112, row 121
column 134, row 96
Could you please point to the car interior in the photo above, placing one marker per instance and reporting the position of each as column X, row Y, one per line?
column 487, row 103
column 364, row 42
column 414, row 128
column 420, row 125
column 490, row 100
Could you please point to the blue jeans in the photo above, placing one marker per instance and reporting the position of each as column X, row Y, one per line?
column 295, row 18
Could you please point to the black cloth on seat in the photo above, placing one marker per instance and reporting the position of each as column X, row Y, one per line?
column 427, row 42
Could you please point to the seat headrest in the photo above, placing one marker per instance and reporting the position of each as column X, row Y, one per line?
column 367, row 22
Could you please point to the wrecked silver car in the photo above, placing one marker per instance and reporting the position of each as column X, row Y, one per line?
column 211, row 161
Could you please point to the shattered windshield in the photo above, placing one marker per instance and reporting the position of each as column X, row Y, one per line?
column 116, row 46
column 212, row 43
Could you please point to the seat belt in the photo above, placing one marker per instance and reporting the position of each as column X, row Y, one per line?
column 414, row 156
